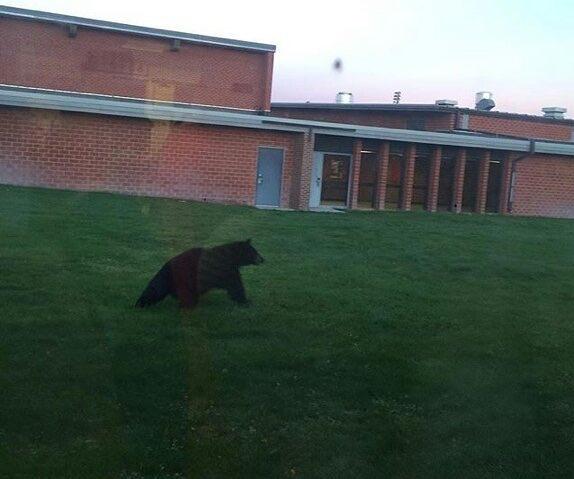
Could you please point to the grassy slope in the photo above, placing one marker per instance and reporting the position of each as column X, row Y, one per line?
column 378, row 345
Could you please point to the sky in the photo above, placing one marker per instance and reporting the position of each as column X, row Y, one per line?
column 520, row 50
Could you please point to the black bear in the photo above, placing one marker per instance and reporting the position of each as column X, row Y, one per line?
column 194, row 272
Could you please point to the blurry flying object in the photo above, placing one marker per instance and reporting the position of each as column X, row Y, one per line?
column 338, row 65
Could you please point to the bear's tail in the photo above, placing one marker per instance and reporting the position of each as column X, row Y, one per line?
column 157, row 289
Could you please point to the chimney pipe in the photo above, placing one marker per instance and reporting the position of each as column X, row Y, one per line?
column 445, row 102
column 555, row 112
column 344, row 97
column 484, row 101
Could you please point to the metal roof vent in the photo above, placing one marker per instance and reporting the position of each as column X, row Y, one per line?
column 450, row 103
column 483, row 101
column 554, row 112
column 344, row 97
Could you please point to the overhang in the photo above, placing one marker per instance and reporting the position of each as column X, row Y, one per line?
column 153, row 110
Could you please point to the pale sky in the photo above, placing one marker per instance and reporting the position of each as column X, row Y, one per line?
column 521, row 50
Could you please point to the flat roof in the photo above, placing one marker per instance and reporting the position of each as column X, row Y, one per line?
column 35, row 15
column 365, row 106
column 416, row 107
column 138, row 108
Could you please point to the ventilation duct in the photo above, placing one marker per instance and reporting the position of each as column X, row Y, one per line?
column 484, row 101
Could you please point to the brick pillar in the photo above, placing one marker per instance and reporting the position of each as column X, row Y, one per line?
column 355, row 174
column 266, row 90
column 458, row 186
column 434, row 175
column 482, row 186
column 408, row 177
column 505, row 185
column 302, row 168
column 382, row 174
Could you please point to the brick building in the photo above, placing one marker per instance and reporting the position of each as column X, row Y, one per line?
column 101, row 106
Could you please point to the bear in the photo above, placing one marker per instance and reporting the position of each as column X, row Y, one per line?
column 194, row 272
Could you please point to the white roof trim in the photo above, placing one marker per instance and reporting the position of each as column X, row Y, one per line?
column 105, row 105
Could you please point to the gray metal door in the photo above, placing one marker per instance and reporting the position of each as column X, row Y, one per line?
column 269, row 168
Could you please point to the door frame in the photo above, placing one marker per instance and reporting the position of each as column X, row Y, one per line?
column 316, row 154
column 280, row 176
column 349, row 179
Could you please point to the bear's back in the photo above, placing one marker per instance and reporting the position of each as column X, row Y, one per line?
column 216, row 266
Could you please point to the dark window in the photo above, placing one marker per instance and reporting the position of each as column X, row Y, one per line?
column 470, row 188
column 395, row 176
column 335, row 179
column 493, row 190
column 420, row 181
column 445, row 183
column 367, row 180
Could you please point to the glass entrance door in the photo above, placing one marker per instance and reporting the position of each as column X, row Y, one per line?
column 335, row 184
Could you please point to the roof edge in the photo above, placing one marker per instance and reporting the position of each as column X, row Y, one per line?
column 86, row 103
column 422, row 107
column 60, row 19
column 366, row 106
column 132, row 99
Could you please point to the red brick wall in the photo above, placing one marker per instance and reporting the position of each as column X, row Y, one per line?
column 544, row 186
column 136, row 156
column 524, row 128
column 42, row 55
column 301, row 172
column 433, row 121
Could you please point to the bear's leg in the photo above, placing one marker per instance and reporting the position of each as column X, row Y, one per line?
column 186, row 294
column 188, row 302
column 235, row 289
column 184, row 288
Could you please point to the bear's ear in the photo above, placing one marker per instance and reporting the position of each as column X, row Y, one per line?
column 248, row 241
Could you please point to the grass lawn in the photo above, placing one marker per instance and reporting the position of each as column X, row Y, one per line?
column 378, row 345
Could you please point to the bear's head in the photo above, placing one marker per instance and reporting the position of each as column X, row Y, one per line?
column 247, row 254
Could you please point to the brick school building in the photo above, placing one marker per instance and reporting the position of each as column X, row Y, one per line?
column 101, row 106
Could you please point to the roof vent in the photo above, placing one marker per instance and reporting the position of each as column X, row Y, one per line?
column 344, row 97
column 451, row 103
column 483, row 101
column 554, row 112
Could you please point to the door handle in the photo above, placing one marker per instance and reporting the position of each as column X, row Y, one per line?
column 259, row 178
column 318, row 180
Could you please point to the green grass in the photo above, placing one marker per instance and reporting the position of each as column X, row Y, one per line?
column 387, row 345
